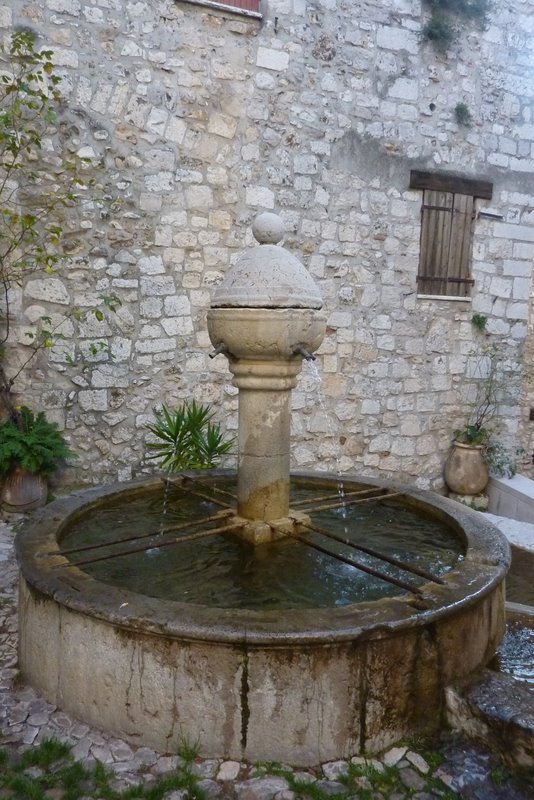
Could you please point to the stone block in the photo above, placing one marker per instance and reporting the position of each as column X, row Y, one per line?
column 6, row 17
column 155, row 345
column 521, row 289
column 177, row 326
column 160, row 182
column 151, row 265
column 199, row 197
column 504, row 230
column 222, row 125
column 501, row 287
column 93, row 400
column 404, row 89
column 267, row 58
column 397, row 39
column 159, row 285
column 175, row 130
column 259, row 196
column 51, row 290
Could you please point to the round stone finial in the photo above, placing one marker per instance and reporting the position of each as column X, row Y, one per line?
column 268, row 228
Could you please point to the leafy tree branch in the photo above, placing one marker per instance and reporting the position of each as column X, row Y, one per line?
column 41, row 187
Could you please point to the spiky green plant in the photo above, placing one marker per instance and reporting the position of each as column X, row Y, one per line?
column 462, row 115
column 32, row 442
column 439, row 31
column 471, row 9
column 187, row 438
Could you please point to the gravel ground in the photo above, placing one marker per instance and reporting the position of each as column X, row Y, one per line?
column 447, row 768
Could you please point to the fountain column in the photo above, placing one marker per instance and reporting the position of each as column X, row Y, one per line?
column 264, row 436
column 265, row 317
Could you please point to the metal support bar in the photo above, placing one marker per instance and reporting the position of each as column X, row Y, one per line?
column 364, row 568
column 201, row 479
column 354, row 502
column 396, row 562
column 197, row 494
column 337, row 495
column 178, row 540
column 182, row 526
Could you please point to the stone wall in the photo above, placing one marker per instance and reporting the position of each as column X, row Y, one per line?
column 202, row 118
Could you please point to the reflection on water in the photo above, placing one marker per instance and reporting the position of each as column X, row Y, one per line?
column 520, row 579
column 226, row 572
column 516, row 653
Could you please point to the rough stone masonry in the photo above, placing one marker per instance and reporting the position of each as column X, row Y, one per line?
column 203, row 117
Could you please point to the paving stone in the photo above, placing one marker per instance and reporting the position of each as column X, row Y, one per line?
column 393, row 756
column 466, row 768
column 331, row 787
column 412, row 779
column 82, row 748
column 205, row 768
column 334, row 769
column 260, row 788
column 102, row 753
column 418, row 761
column 305, row 777
column 229, row 770
column 166, row 764
column 121, row 751
column 212, row 789
column 145, row 756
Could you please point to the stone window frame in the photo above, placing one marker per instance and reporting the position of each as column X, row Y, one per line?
column 248, row 8
column 447, row 224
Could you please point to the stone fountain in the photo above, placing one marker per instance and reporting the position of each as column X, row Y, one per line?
column 265, row 317
column 301, row 685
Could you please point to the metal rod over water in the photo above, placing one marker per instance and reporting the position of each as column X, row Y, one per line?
column 363, row 567
column 395, row 562
column 180, row 526
column 157, row 544
column 351, row 498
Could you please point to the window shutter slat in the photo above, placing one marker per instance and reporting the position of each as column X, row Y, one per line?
column 461, row 241
column 445, row 247
column 435, row 235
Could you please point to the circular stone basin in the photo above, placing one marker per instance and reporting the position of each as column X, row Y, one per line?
column 278, row 682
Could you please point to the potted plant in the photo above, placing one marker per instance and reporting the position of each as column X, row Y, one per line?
column 466, row 471
column 475, row 450
column 31, row 448
column 187, row 438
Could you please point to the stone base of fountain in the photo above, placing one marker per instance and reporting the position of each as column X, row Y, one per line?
column 299, row 686
column 257, row 532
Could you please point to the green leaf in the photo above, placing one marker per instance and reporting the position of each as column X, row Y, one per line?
column 186, row 438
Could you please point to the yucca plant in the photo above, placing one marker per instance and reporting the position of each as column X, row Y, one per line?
column 187, row 438
column 31, row 442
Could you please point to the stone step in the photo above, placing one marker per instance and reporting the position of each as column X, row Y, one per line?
column 499, row 711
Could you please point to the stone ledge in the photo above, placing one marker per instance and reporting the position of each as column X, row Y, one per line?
column 498, row 711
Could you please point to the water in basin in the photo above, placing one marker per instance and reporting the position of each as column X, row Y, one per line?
column 515, row 655
column 224, row 571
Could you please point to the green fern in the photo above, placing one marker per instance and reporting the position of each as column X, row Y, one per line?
column 32, row 442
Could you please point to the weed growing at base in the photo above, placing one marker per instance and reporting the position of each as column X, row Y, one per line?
column 50, row 766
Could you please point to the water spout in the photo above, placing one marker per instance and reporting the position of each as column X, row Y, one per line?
column 221, row 348
column 304, row 353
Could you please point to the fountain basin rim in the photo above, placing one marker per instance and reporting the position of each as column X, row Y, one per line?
column 47, row 574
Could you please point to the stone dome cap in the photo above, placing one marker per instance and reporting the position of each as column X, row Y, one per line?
column 267, row 276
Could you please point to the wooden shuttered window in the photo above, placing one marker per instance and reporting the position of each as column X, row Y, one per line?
column 447, row 219
column 249, row 7
column 446, row 236
column 244, row 5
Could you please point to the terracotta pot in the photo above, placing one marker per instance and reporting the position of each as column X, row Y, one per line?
column 465, row 469
column 23, row 491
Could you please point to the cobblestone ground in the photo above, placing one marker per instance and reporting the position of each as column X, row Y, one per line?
column 448, row 768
